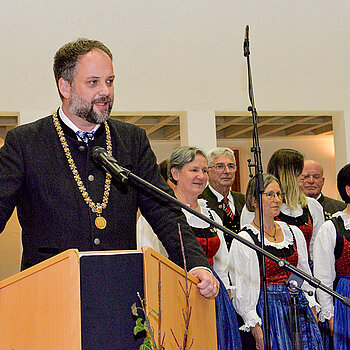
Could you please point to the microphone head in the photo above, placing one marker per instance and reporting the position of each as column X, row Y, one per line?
column 97, row 151
column 293, row 284
column 246, row 42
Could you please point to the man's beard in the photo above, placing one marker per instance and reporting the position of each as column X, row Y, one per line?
column 85, row 110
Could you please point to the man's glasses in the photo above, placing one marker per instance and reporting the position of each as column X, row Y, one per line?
column 271, row 195
column 222, row 166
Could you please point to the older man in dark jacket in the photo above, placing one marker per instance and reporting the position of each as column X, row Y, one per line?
column 226, row 203
column 312, row 183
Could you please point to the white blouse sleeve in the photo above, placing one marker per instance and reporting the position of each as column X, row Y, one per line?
column 221, row 258
column 246, row 216
column 316, row 211
column 146, row 237
column 221, row 261
column 324, row 266
column 245, row 277
column 303, row 264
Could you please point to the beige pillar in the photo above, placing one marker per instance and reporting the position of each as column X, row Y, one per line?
column 198, row 129
column 341, row 127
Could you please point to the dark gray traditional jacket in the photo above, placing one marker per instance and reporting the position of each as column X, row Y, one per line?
column 330, row 206
column 35, row 177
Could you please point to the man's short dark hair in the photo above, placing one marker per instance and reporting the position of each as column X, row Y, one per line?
column 343, row 180
column 67, row 57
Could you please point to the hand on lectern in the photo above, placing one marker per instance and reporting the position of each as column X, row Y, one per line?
column 208, row 285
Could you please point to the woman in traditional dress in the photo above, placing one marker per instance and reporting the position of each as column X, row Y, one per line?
column 286, row 242
column 188, row 170
column 332, row 265
column 297, row 209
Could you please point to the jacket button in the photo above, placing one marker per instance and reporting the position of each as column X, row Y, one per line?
column 91, row 178
column 97, row 241
column 81, row 148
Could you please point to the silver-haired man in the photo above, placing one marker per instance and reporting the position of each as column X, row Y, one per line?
column 226, row 203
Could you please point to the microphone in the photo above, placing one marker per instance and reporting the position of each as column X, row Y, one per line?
column 100, row 155
column 246, row 42
column 295, row 282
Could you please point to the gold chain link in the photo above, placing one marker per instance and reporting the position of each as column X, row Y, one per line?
column 95, row 207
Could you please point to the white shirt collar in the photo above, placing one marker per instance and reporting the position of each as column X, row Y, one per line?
column 70, row 124
column 219, row 196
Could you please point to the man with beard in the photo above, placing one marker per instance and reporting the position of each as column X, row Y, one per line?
column 63, row 199
column 312, row 182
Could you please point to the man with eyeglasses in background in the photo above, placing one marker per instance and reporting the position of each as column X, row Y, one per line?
column 226, row 203
column 312, row 183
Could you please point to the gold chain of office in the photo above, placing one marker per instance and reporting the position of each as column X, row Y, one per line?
column 100, row 221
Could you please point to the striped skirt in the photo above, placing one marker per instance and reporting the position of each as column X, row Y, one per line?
column 341, row 332
column 281, row 322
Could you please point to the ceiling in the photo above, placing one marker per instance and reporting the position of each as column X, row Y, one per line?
column 228, row 127
column 167, row 127
column 164, row 127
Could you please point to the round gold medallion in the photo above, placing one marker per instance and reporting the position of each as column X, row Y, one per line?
column 100, row 222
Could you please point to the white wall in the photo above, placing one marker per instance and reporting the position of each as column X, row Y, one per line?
column 187, row 56
column 163, row 149
column 184, row 55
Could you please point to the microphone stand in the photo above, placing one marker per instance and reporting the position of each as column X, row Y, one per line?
column 294, row 289
column 259, row 188
column 120, row 173
column 296, row 334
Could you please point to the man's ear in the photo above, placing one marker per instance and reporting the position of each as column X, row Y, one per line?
column 64, row 88
column 347, row 190
column 322, row 182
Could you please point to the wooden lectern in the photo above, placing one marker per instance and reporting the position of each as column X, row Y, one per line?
column 82, row 300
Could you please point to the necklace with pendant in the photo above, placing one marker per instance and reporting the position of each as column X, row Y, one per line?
column 100, row 221
column 270, row 235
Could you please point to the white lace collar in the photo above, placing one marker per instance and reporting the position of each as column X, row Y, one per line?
column 193, row 220
column 345, row 217
column 288, row 238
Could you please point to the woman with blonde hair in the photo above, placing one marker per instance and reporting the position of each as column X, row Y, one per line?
column 297, row 209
